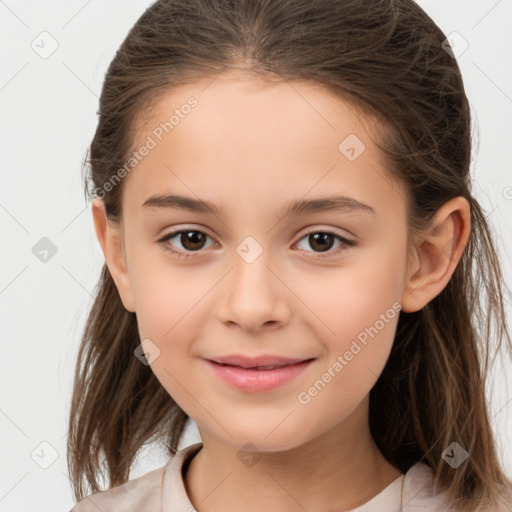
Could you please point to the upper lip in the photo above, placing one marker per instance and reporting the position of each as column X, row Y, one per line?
column 253, row 362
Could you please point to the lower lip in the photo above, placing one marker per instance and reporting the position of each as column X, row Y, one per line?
column 258, row 380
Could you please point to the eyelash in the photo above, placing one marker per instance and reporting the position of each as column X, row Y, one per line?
column 188, row 254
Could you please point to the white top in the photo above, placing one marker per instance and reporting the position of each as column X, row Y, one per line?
column 163, row 490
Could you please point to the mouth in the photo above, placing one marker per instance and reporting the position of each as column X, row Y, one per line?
column 254, row 378
column 263, row 362
column 260, row 368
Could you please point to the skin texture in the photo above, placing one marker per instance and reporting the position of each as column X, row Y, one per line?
column 251, row 147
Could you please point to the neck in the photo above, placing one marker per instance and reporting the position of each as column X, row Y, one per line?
column 342, row 469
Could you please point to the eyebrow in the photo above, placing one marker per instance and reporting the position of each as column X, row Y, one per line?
column 296, row 207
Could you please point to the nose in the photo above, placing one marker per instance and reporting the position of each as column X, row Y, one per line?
column 254, row 296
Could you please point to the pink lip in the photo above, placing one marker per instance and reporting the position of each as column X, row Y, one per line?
column 252, row 362
column 258, row 380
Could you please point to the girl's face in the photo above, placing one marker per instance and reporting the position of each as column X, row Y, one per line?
column 278, row 164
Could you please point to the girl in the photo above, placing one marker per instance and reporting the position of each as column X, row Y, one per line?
column 294, row 260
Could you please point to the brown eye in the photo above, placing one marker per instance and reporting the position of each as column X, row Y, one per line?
column 191, row 240
column 324, row 241
column 321, row 241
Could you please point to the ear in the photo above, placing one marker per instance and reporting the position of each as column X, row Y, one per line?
column 436, row 253
column 110, row 238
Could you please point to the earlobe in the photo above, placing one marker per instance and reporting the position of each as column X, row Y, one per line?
column 110, row 238
column 436, row 254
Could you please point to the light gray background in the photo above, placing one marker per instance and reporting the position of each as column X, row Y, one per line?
column 48, row 115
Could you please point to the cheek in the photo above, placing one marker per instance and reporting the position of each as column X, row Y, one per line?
column 171, row 303
column 357, row 294
column 360, row 306
column 166, row 294
column 364, row 323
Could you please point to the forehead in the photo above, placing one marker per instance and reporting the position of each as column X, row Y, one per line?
column 241, row 100
column 238, row 135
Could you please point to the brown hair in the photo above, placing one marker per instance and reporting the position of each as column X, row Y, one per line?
column 387, row 56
